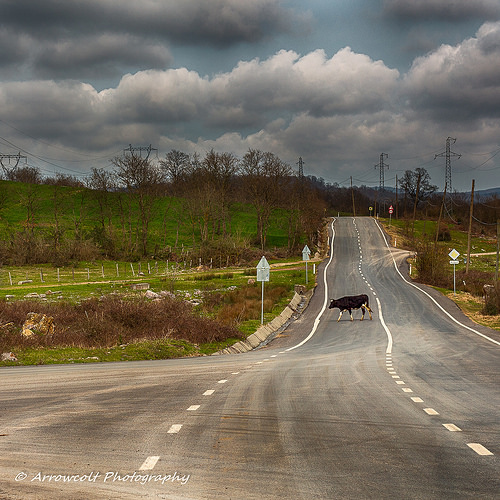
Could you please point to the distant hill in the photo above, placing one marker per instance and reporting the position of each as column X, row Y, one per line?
column 487, row 193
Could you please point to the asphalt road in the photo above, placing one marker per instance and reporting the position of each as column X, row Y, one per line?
column 402, row 407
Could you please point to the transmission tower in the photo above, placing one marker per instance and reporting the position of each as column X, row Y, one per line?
column 140, row 149
column 300, row 163
column 9, row 170
column 381, row 165
column 447, row 176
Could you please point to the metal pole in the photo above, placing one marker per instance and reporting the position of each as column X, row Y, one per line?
column 498, row 248
column 307, row 281
column 454, row 289
column 469, row 234
column 262, row 306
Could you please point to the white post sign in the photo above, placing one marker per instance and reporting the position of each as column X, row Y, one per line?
column 305, row 257
column 454, row 254
column 263, row 268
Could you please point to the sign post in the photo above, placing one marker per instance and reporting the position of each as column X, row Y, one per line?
column 263, row 268
column 391, row 209
column 454, row 256
column 371, row 210
column 305, row 257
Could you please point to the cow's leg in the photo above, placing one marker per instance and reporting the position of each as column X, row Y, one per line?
column 369, row 310
column 362, row 313
column 340, row 315
column 350, row 314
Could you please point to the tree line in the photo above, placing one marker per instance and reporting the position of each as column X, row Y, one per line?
column 200, row 193
column 196, row 192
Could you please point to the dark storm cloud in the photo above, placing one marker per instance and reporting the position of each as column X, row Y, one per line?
column 442, row 10
column 219, row 22
column 75, row 39
column 98, row 56
column 461, row 82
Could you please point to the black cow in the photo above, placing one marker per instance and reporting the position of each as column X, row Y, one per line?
column 352, row 302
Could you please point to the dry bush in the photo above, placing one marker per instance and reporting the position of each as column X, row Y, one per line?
column 110, row 321
column 474, row 281
column 492, row 301
column 246, row 303
column 432, row 265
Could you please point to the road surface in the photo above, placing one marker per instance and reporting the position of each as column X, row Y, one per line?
column 402, row 407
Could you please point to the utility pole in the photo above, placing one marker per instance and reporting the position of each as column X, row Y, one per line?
column 381, row 165
column 352, row 195
column 416, row 201
column 470, row 227
column 447, row 177
column 439, row 219
column 396, row 196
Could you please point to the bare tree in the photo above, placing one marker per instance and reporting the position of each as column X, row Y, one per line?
column 175, row 166
column 417, row 185
column 266, row 181
column 102, row 183
column 142, row 180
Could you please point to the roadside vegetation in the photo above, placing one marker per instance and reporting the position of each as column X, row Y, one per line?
column 156, row 259
column 477, row 292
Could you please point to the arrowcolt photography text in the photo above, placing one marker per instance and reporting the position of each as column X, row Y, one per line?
column 106, row 477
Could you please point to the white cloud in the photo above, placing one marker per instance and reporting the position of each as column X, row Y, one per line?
column 334, row 111
column 459, row 82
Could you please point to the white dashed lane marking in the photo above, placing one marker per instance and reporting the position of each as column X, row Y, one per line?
column 222, row 381
column 149, row 463
column 209, row 392
column 452, row 427
column 174, row 429
column 479, row 449
column 417, row 400
column 193, row 407
column 431, row 411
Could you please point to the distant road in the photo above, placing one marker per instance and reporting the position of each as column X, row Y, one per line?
column 402, row 407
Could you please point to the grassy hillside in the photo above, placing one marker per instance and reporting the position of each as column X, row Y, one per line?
column 55, row 215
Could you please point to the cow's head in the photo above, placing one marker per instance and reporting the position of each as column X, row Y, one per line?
column 333, row 304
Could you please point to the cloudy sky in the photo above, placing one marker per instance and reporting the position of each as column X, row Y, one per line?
column 336, row 82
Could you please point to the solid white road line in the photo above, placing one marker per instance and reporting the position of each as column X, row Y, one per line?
column 433, row 300
column 387, row 331
column 325, row 302
column 479, row 449
column 149, row 463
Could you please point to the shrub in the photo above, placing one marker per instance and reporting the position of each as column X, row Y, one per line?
column 110, row 321
column 431, row 264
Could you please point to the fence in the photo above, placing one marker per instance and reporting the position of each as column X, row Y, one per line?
column 96, row 272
